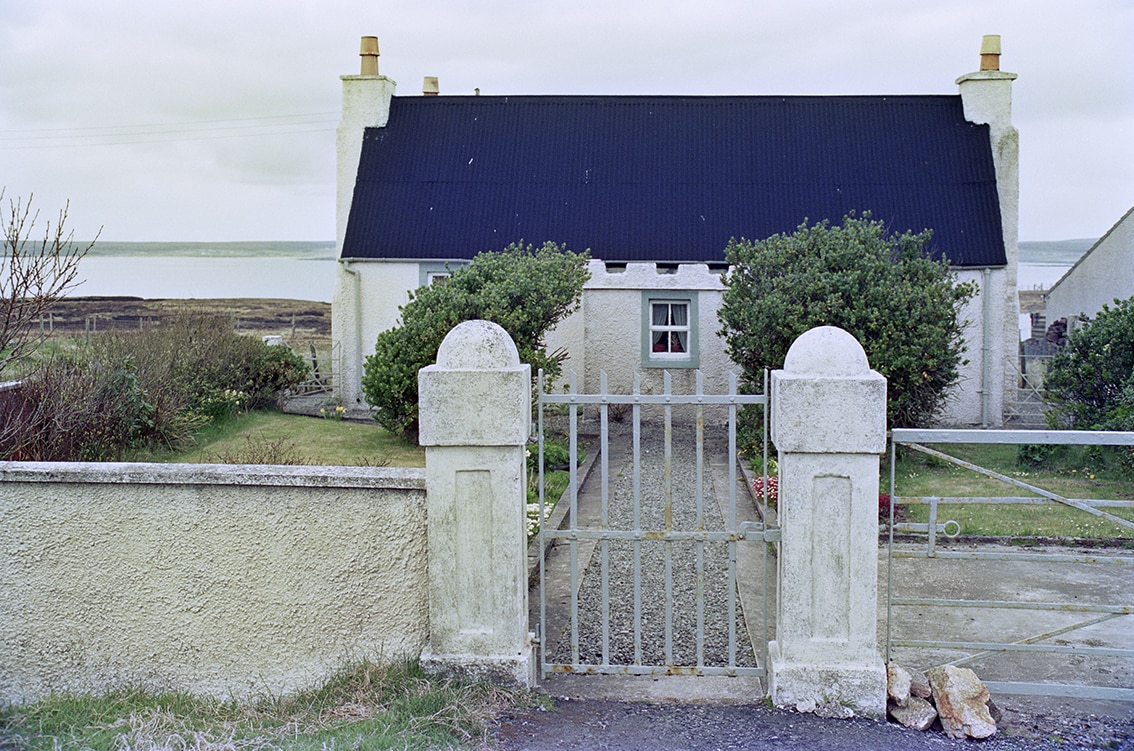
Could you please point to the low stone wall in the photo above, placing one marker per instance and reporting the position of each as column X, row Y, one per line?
column 222, row 580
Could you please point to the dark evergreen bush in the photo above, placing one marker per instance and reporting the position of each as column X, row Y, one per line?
column 1090, row 383
column 524, row 290
column 903, row 306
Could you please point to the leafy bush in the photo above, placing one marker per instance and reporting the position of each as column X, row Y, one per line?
column 903, row 306
column 141, row 390
column 1090, row 383
column 556, row 455
column 524, row 290
column 198, row 363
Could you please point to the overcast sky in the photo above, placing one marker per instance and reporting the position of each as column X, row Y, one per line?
column 214, row 120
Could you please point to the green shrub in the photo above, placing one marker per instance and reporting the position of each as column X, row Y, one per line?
column 903, row 306
column 271, row 371
column 190, row 363
column 1090, row 383
column 142, row 390
column 556, row 455
column 524, row 290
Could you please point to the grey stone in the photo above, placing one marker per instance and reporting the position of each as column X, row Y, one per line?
column 833, row 710
column 919, row 685
column 897, row 684
column 962, row 702
column 917, row 714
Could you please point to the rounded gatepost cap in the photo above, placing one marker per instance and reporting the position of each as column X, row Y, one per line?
column 478, row 345
column 826, row 351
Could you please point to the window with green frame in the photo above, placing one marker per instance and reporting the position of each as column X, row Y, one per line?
column 431, row 272
column 669, row 330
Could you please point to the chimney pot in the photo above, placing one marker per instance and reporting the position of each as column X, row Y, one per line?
column 369, row 54
column 430, row 86
column 990, row 52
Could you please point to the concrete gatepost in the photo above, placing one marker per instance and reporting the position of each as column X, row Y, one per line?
column 828, row 421
column 475, row 419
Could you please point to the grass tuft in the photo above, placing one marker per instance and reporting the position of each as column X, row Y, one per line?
column 372, row 706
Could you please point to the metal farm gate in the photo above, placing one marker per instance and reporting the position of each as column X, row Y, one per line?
column 1063, row 617
column 661, row 565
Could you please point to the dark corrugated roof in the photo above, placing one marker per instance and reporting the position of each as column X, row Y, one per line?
column 667, row 178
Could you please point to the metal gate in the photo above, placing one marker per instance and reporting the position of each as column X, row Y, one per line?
column 989, row 615
column 659, row 569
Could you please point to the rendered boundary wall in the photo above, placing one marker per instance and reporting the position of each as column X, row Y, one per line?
column 230, row 580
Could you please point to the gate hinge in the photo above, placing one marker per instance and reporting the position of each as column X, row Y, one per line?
column 757, row 531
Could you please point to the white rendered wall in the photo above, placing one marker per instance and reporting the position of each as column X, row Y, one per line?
column 229, row 581
column 570, row 336
column 606, row 332
column 987, row 99
column 964, row 407
column 613, row 328
column 1103, row 274
column 367, row 297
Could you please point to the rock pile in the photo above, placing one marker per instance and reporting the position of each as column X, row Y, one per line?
column 954, row 696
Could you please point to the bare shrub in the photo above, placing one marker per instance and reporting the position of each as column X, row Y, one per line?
column 33, row 276
column 68, row 411
column 260, row 450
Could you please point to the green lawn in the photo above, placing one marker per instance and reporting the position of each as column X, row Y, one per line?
column 276, row 438
column 370, row 706
column 1069, row 472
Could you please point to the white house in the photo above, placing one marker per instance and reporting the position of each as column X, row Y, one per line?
column 1104, row 273
column 654, row 187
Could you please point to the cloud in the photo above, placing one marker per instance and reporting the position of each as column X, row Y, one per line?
column 91, row 65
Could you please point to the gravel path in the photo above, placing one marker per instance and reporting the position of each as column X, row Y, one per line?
column 682, row 563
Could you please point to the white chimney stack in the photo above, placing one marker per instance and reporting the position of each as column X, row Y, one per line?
column 986, row 96
column 366, row 104
column 430, row 86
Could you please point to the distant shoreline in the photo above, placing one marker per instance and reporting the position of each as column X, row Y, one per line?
column 298, row 321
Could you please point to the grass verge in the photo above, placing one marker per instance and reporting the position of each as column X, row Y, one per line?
column 277, row 438
column 372, row 706
column 1071, row 472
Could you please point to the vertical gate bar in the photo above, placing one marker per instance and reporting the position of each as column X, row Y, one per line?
column 700, row 544
column 667, row 461
column 542, row 533
column 700, row 452
column 573, row 436
column 637, row 428
column 890, row 550
column 933, row 527
column 764, row 517
column 667, row 496
column 732, row 522
column 604, row 446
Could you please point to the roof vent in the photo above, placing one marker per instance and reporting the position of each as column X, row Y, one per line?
column 369, row 54
column 430, row 86
column 990, row 52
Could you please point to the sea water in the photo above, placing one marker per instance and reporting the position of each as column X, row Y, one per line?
column 288, row 270
column 306, row 270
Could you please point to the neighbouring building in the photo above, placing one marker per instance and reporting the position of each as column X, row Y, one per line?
column 1104, row 273
column 654, row 187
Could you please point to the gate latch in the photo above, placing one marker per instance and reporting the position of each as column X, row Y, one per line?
column 757, row 531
